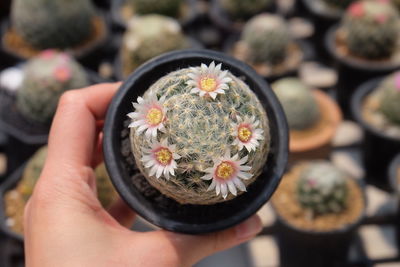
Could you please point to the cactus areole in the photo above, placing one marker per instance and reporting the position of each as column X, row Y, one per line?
column 199, row 129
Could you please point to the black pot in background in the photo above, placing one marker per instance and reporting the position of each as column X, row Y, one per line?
column 377, row 148
column 165, row 212
column 352, row 71
column 393, row 170
column 301, row 247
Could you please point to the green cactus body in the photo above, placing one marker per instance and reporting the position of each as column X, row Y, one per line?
column 242, row 9
column 372, row 29
column 47, row 76
column 300, row 106
column 390, row 98
column 149, row 36
column 267, row 38
column 202, row 124
column 322, row 188
column 105, row 190
column 165, row 7
column 32, row 173
column 341, row 4
column 53, row 23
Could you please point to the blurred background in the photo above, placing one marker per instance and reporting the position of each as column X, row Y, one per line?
column 332, row 63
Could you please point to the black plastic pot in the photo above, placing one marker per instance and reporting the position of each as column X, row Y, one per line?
column 353, row 71
column 393, row 170
column 149, row 202
column 378, row 149
column 301, row 247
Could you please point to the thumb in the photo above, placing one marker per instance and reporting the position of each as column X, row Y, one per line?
column 189, row 249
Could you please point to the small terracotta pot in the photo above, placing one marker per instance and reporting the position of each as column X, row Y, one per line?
column 315, row 143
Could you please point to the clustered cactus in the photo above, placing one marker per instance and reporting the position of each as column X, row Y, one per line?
column 371, row 29
column 166, row 7
column 322, row 188
column 267, row 38
column 46, row 77
column 149, row 36
column 243, row 9
column 390, row 98
column 53, row 23
column 300, row 106
column 198, row 134
column 341, row 4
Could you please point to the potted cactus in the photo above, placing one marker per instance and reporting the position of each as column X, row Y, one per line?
column 365, row 45
column 230, row 15
column 37, row 25
column 197, row 143
column 147, row 37
column 318, row 209
column 313, row 118
column 267, row 45
column 17, row 190
column 376, row 108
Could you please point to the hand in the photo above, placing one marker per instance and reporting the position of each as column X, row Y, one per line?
column 65, row 224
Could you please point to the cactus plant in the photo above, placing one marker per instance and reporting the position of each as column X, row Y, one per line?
column 46, row 77
column 199, row 135
column 53, row 23
column 242, row 9
column 371, row 29
column 105, row 190
column 322, row 188
column 267, row 38
column 300, row 106
column 340, row 4
column 149, row 36
column 166, row 7
column 390, row 98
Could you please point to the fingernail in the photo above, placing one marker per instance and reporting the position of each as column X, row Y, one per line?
column 249, row 228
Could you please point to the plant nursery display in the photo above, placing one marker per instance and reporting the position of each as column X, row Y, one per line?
column 197, row 139
column 313, row 118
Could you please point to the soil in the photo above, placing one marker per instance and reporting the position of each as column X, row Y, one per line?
column 15, row 44
column 372, row 115
column 291, row 63
column 288, row 207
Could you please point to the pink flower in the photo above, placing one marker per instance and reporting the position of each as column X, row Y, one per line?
column 48, row 54
column 381, row 18
column 62, row 73
column 356, row 9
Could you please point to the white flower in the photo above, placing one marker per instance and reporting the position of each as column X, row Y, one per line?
column 247, row 134
column 226, row 174
column 160, row 159
column 208, row 80
column 149, row 115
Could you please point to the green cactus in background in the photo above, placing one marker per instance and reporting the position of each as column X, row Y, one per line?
column 31, row 173
column 149, row 36
column 243, row 9
column 267, row 38
column 341, row 4
column 371, row 29
column 196, row 118
column 300, row 106
column 46, row 77
column 322, row 188
column 165, row 7
column 53, row 23
column 390, row 98
column 105, row 190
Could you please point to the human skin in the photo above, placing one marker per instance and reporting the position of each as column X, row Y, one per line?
column 64, row 222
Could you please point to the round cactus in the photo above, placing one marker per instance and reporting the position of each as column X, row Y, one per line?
column 390, row 98
column 105, row 190
column 149, row 36
column 300, row 106
column 341, row 4
column 46, row 77
column 371, row 29
column 199, row 135
column 166, row 7
column 53, row 24
column 322, row 188
column 243, row 9
column 267, row 38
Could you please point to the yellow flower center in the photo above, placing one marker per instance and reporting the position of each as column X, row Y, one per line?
column 208, row 84
column 163, row 156
column 225, row 170
column 154, row 116
column 244, row 133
